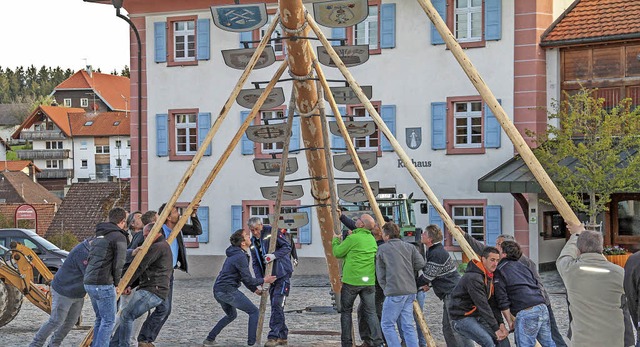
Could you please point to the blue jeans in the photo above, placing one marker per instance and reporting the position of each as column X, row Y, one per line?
column 141, row 302
column 64, row 314
column 103, row 300
column 422, row 342
column 278, row 292
column 451, row 337
column 348, row 295
column 533, row 323
column 473, row 328
column 230, row 301
column 152, row 325
column 399, row 309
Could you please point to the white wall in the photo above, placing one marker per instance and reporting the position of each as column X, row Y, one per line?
column 123, row 153
column 411, row 76
column 84, row 149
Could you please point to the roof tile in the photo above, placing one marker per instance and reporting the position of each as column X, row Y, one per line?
column 115, row 91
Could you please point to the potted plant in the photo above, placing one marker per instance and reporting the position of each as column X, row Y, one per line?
column 616, row 255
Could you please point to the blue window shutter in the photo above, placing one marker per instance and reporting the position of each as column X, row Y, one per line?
column 203, row 216
column 204, row 124
column 492, row 129
column 247, row 145
column 203, row 38
column 160, row 41
column 434, row 217
column 162, row 135
column 493, row 221
column 441, row 7
column 294, row 141
column 338, row 141
column 492, row 20
column 338, row 33
column 388, row 26
column 438, row 125
column 304, row 233
column 246, row 36
column 388, row 114
column 236, row 217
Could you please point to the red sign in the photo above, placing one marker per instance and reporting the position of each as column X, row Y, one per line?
column 25, row 212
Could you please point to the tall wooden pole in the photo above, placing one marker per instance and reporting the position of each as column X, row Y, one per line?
column 299, row 55
column 516, row 138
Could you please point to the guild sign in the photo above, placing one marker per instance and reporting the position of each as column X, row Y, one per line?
column 343, row 162
column 239, row 58
column 355, row 129
column 350, row 55
column 288, row 192
column 340, row 14
column 248, row 97
column 291, row 220
column 414, row 137
column 346, row 95
column 267, row 133
column 271, row 167
column 238, row 18
column 354, row 192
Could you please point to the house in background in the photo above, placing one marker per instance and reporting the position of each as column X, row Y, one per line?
column 11, row 116
column 25, row 166
column 94, row 92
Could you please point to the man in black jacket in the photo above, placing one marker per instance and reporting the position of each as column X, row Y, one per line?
column 153, row 275
column 152, row 325
column 518, row 294
column 101, row 278
column 473, row 309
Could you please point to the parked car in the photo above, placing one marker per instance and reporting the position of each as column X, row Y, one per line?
column 50, row 254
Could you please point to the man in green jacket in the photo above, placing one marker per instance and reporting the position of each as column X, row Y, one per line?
column 358, row 252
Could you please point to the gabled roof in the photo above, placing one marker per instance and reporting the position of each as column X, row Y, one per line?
column 101, row 124
column 87, row 204
column 59, row 115
column 113, row 90
column 17, row 165
column 17, row 187
column 590, row 21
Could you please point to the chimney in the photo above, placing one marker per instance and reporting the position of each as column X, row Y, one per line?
column 89, row 70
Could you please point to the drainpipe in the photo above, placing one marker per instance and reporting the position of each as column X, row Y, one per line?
column 118, row 4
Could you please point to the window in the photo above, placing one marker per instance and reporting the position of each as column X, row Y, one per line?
column 88, row 123
column 55, row 164
column 467, row 118
column 83, row 145
column 84, row 102
column 128, row 162
column 554, row 226
column 84, row 164
column 470, row 219
column 128, row 143
column 118, row 143
column 102, row 149
column 465, row 126
column 275, row 147
column 368, row 143
column 53, row 145
column 468, row 20
column 625, row 218
column 186, row 133
column 366, row 32
column 472, row 216
column 263, row 208
column 279, row 45
column 67, row 102
column 182, row 40
column 118, row 162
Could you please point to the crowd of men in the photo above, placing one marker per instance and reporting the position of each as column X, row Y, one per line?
column 500, row 293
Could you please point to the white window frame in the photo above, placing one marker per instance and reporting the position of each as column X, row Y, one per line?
column 84, row 102
column 274, row 147
column 188, row 37
column 83, row 145
column 362, row 32
column 67, row 102
column 461, row 218
column 470, row 14
column 102, row 149
column 184, row 121
column 118, row 162
column 279, row 47
column 468, row 116
column 128, row 143
column 118, row 144
column 54, row 164
column 128, row 162
column 84, row 164
column 364, row 143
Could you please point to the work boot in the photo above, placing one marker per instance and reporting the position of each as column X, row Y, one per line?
column 281, row 342
column 271, row 343
column 145, row 344
column 208, row 343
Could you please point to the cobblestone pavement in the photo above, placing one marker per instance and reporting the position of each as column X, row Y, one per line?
column 195, row 312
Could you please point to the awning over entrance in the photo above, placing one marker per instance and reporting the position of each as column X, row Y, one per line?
column 511, row 177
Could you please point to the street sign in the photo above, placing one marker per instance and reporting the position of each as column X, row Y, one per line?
column 238, row 18
column 350, row 55
column 291, row 220
column 341, row 13
column 239, row 58
column 267, row 133
column 288, row 192
column 271, row 167
column 343, row 162
column 346, row 95
column 248, row 97
column 355, row 128
column 354, row 192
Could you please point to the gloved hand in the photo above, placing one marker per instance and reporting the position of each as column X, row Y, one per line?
column 295, row 262
column 269, row 257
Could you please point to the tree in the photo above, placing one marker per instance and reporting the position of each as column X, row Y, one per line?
column 592, row 151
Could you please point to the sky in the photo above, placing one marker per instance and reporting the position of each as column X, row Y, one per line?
column 62, row 33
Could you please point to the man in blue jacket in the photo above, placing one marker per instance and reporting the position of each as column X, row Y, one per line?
column 225, row 290
column 282, row 269
column 67, row 297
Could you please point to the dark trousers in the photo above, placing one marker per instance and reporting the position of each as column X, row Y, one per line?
column 278, row 292
column 230, row 301
column 154, row 322
column 363, row 328
column 367, row 298
column 555, row 332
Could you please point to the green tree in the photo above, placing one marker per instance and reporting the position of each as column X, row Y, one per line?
column 592, row 151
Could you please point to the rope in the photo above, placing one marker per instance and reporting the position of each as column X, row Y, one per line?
column 296, row 30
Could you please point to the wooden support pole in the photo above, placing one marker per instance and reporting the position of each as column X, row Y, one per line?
column 394, row 143
column 273, row 240
column 422, row 323
column 126, row 278
column 516, row 138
